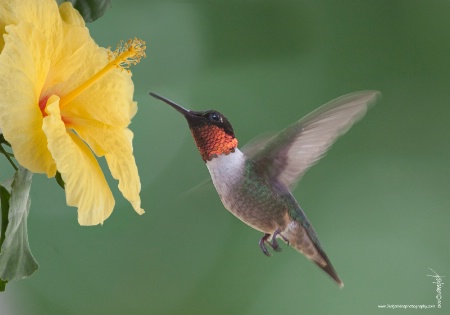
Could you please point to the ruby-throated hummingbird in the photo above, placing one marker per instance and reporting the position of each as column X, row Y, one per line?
column 255, row 185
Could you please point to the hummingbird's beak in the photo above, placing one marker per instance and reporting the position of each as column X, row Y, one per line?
column 179, row 108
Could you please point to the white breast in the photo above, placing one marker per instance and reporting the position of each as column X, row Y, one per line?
column 226, row 171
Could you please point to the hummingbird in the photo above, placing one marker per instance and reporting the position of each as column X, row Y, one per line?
column 256, row 184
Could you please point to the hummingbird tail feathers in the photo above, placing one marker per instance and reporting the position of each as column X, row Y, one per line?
column 305, row 241
column 329, row 269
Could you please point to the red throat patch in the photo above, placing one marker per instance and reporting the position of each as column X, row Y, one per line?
column 213, row 141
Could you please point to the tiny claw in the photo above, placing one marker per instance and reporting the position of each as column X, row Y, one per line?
column 263, row 245
column 275, row 246
column 278, row 232
column 274, row 243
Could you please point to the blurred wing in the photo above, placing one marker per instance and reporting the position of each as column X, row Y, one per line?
column 290, row 153
column 252, row 147
column 200, row 187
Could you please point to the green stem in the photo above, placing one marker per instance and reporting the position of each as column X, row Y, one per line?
column 2, row 150
column 4, row 196
column 3, row 140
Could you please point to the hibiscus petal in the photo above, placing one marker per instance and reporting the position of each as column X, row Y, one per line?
column 116, row 145
column 23, row 68
column 85, row 184
column 77, row 59
column 109, row 100
column 69, row 15
column 6, row 18
column 16, row 11
column 123, row 167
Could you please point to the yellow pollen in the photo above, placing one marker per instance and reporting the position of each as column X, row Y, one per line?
column 126, row 54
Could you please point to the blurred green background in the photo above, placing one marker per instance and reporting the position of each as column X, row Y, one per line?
column 379, row 200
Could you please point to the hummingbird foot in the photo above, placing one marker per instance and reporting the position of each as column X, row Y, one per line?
column 262, row 244
column 274, row 237
column 273, row 243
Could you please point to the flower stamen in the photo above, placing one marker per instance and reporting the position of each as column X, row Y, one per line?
column 126, row 54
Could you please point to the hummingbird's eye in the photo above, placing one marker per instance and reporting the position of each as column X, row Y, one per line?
column 215, row 117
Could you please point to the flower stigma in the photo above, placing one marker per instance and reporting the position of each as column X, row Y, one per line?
column 126, row 54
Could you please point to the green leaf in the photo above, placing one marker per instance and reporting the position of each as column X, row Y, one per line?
column 91, row 10
column 59, row 180
column 16, row 259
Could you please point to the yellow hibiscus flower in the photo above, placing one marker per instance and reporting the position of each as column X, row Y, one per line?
column 63, row 98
